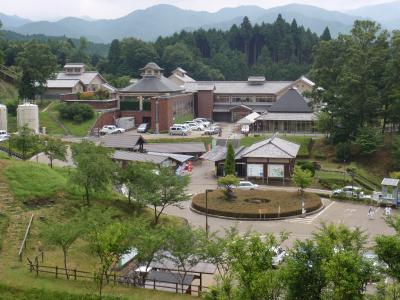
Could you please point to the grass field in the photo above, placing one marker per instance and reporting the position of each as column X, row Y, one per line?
column 33, row 181
column 248, row 203
column 303, row 141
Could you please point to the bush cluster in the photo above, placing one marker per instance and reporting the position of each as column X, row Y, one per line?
column 97, row 95
column 307, row 165
column 76, row 112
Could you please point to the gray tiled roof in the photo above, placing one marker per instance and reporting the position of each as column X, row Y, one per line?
column 85, row 77
column 152, row 65
column 139, row 157
column 218, row 153
column 273, row 147
column 176, row 148
column 153, row 84
column 62, row 83
column 121, row 141
column 287, row 117
column 291, row 102
column 241, row 87
column 177, row 157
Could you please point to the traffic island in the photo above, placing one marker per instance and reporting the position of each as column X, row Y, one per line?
column 256, row 204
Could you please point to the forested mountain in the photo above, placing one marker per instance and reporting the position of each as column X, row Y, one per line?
column 165, row 20
column 278, row 51
column 11, row 22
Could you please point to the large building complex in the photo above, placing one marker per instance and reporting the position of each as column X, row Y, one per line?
column 164, row 101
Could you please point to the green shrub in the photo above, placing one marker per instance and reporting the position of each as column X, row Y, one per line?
column 76, row 112
column 333, row 183
column 343, row 152
column 12, row 108
column 307, row 165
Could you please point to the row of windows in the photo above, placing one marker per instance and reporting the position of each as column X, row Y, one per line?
column 246, row 99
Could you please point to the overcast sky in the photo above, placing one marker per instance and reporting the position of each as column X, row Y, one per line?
column 109, row 9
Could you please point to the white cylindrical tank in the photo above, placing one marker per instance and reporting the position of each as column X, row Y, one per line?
column 28, row 114
column 3, row 117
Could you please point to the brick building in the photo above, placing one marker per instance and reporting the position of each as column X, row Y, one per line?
column 163, row 101
column 157, row 100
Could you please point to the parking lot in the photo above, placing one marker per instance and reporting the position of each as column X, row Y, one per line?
column 350, row 214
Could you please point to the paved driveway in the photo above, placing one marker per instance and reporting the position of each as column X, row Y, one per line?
column 353, row 215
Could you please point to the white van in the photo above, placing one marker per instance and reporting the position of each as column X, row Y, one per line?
column 178, row 130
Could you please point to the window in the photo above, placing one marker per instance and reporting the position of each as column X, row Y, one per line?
column 224, row 99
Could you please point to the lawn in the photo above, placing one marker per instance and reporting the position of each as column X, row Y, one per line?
column 303, row 141
column 31, row 181
column 34, row 181
column 52, row 127
column 248, row 203
column 73, row 128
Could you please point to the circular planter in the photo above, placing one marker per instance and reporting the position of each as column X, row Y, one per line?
column 257, row 204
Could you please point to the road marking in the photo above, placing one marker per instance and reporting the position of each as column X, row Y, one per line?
column 310, row 219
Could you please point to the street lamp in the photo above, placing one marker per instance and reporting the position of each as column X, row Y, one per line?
column 207, row 191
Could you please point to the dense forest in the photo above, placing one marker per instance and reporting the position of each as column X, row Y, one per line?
column 279, row 51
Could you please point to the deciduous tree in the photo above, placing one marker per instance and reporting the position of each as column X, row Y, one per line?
column 94, row 168
column 55, row 149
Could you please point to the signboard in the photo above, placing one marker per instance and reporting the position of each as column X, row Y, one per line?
column 255, row 170
column 276, row 171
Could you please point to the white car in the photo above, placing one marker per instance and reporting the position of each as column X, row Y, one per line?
column 212, row 130
column 279, row 256
column 4, row 136
column 178, row 130
column 195, row 126
column 203, row 121
column 247, row 185
column 111, row 129
column 349, row 191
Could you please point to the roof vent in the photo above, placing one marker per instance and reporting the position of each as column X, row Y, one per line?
column 256, row 80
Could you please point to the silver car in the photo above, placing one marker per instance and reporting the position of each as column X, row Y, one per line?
column 247, row 185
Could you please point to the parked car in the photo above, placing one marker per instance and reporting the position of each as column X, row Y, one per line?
column 4, row 136
column 143, row 128
column 247, row 185
column 184, row 126
column 203, row 121
column 111, row 129
column 212, row 130
column 195, row 126
column 178, row 130
column 349, row 191
column 279, row 256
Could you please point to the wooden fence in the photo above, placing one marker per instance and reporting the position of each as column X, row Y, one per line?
column 23, row 244
column 137, row 281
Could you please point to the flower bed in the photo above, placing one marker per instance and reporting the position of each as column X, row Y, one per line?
column 249, row 203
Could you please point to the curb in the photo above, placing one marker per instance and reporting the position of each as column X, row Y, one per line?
column 254, row 219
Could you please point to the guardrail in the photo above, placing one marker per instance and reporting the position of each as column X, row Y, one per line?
column 23, row 244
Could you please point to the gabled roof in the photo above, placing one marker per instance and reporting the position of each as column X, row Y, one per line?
column 121, row 141
column 139, row 157
column 153, row 84
column 218, row 153
column 62, row 83
column 249, row 119
column 273, row 147
column 184, row 78
column 241, row 106
column 85, row 77
column 290, row 102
